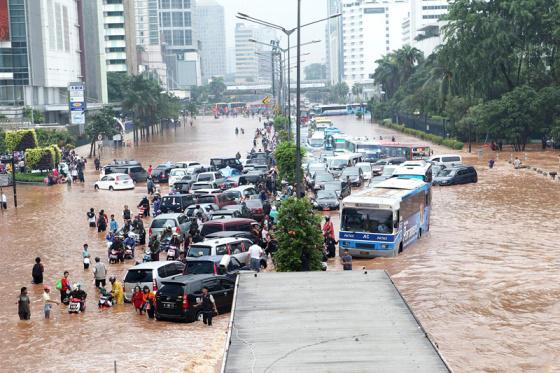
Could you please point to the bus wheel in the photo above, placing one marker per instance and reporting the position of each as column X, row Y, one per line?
column 420, row 233
column 400, row 250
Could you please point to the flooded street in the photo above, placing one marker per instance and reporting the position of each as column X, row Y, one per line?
column 484, row 282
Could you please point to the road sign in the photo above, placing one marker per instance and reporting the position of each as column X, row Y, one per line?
column 77, row 103
column 266, row 100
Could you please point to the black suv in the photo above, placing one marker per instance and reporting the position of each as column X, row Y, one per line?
column 456, row 175
column 161, row 172
column 134, row 170
column 178, row 296
column 219, row 163
column 176, row 203
column 225, row 265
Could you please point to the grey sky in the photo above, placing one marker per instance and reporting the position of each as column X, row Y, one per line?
column 283, row 13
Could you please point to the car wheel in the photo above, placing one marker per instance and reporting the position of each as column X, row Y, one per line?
column 199, row 316
column 475, row 179
column 263, row 264
column 111, row 188
column 96, row 187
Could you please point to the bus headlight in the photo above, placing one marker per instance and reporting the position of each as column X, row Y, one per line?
column 384, row 246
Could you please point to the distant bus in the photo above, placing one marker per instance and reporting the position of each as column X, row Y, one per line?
column 328, row 110
column 356, row 108
column 226, row 107
column 411, row 152
column 384, row 220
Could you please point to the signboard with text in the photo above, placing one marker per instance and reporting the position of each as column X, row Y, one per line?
column 77, row 103
column 4, row 21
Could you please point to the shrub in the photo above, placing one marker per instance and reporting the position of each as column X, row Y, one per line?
column 21, row 140
column 31, row 177
column 40, row 158
column 57, row 154
column 285, row 155
column 46, row 137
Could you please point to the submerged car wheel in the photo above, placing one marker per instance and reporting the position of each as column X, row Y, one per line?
column 111, row 188
column 199, row 316
column 96, row 187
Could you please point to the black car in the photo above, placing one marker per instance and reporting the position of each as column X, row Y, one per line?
column 226, row 214
column 161, row 172
column 232, row 162
column 456, row 175
column 178, row 297
column 341, row 188
column 325, row 200
column 176, row 202
column 226, row 265
column 183, row 186
column 252, row 177
column 134, row 170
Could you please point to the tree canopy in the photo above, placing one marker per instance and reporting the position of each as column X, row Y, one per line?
column 315, row 71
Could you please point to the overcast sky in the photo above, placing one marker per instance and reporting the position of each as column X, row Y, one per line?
column 283, row 13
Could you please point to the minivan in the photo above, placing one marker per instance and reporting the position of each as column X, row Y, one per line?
column 456, row 175
column 236, row 247
column 178, row 297
column 219, row 199
column 135, row 171
column 176, row 202
column 448, row 160
column 219, row 163
column 149, row 274
column 237, row 224
column 215, row 177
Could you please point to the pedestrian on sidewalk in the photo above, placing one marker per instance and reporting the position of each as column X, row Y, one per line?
column 208, row 306
column 255, row 252
column 97, row 163
column 4, row 201
column 24, row 311
column 37, row 271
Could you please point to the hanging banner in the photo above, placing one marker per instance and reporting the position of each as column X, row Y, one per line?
column 4, row 21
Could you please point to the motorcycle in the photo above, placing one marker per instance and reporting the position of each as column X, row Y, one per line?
column 113, row 256
column 330, row 247
column 76, row 305
column 128, row 252
column 147, row 256
column 105, row 301
column 172, row 253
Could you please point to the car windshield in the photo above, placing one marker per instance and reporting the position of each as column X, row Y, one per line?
column 324, row 177
column 316, row 167
column 332, row 186
column 162, row 166
column 388, row 170
column 162, row 223
column 206, row 199
column 366, row 168
column 205, row 177
column 171, row 290
column 178, row 172
column 367, row 220
column 171, row 201
column 446, row 173
column 199, row 267
column 138, row 275
column 199, row 250
column 197, row 186
column 338, row 163
column 326, row 194
column 350, row 172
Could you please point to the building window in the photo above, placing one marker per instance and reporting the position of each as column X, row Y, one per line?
column 434, row 7
column 52, row 25
column 188, row 22
column 178, row 37
column 167, row 37
column 115, row 37
column 115, row 25
column 165, row 4
column 177, row 19
column 66, row 32
column 177, row 4
column 187, row 4
column 59, row 31
column 165, row 19
column 117, row 14
column 116, row 62
column 116, row 50
column 433, row 16
column 188, row 37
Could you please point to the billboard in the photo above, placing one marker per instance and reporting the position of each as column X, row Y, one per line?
column 77, row 103
column 4, row 21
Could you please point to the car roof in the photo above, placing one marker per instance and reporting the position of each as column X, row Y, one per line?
column 217, row 241
column 152, row 265
column 445, row 155
column 184, row 279
column 229, row 221
column 118, row 174
column 171, row 215
column 206, row 258
column 226, row 234
column 223, row 211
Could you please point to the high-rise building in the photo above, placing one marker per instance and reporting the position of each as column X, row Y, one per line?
column 149, row 47
column 176, row 22
column 371, row 29
column 211, row 32
column 120, row 36
column 43, row 50
column 333, row 43
column 253, row 62
column 425, row 23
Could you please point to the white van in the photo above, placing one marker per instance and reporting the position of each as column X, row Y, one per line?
column 150, row 274
column 447, row 160
column 234, row 246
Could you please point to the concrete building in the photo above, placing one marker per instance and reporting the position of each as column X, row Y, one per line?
column 211, row 33
column 176, row 22
column 333, row 43
column 253, row 62
column 120, row 36
column 424, row 24
column 149, row 48
column 371, row 29
column 43, row 50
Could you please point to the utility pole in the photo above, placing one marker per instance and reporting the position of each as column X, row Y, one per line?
column 299, row 190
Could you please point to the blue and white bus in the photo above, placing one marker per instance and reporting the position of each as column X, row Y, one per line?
column 384, row 220
column 328, row 110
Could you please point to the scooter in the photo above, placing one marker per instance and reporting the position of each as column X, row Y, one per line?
column 76, row 305
column 113, row 256
column 128, row 253
column 172, row 253
column 105, row 301
column 147, row 256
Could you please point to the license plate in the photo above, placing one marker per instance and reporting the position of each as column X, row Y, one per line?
column 168, row 305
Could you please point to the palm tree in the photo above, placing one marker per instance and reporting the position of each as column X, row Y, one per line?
column 387, row 74
column 407, row 58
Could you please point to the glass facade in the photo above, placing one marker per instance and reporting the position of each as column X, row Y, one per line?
column 14, row 60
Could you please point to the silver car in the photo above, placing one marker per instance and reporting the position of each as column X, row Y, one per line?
column 178, row 222
column 150, row 274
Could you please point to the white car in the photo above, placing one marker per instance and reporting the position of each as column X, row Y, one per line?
column 115, row 182
column 247, row 191
column 236, row 247
column 366, row 169
column 206, row 191
column 176, row 174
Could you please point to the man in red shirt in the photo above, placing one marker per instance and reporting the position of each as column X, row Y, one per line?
column 328, row 228
column 64, row 287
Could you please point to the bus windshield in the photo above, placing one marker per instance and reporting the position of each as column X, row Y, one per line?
column 367, row 220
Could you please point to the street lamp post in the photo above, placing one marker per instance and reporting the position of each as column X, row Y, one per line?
column 288, row 33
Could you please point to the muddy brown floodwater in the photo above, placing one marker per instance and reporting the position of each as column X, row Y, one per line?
column 484, row 282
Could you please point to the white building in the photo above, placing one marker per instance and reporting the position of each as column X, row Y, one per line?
column 371, row 29
column 424, row 27
column 150, row 51
column 333, row 43
column 120, row 36
column 253, row 60
column 211, row 33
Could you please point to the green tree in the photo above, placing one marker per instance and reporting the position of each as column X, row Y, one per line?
column 299, row 237
column 339, row 93
column 192, row 108
column 357, row 91
column 217, row 88
column 280, row 123
column 285, row 155
column 315, row 71
column 102, row 123
column 117, row 84
column 199, row 94
column 34, row 115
